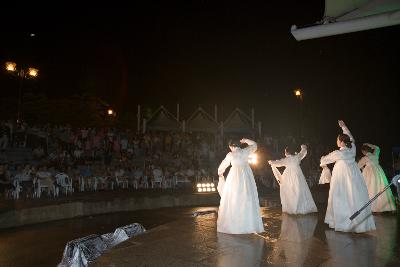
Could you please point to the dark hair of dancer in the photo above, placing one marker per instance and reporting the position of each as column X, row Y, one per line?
column 290, row 149
column 367, row 149
column 234, row 143
column 346, row 139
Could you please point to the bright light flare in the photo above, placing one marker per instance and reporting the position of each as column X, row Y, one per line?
column 205, row 187
column 11, row 66
column 33, row 72
column 253, row 159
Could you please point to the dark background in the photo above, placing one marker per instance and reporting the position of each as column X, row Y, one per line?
column 206, row 53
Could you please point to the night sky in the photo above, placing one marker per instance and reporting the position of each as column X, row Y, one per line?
column 203, row 53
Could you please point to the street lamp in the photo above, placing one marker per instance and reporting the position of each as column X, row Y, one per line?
column 21, row 73
column 298, row 93
column 111, row 112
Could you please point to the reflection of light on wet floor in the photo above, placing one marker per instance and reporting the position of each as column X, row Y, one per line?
column 295, row 240
column 375, row 248
column 272, row 224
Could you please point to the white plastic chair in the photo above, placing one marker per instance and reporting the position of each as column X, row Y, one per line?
column 145, row 181
column 39, row 187
column 81, row 183
column 134, row 183
column 120, row 180
column 17, row 189
column 65, row 182
column 179, row 179
column 158, row 178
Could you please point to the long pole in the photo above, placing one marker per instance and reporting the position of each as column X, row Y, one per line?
column 21, row 81
column 371, row 200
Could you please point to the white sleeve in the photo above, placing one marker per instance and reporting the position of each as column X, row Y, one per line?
column 303, row 152
column 361, row 163
column 330, row 158
column 252, row 146
column 279, row 162
column 277, row 174
column 326, row 176
column 224, row 164
column 347, row 131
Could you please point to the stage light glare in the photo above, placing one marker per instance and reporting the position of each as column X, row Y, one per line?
column 11, row 66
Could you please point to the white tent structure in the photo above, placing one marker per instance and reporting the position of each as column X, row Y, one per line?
column 201, row 121
column 162, row 120
column 345, row 16
column 238, row 123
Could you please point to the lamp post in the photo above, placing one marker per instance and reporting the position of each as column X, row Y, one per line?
column 299, row 95
column 22, row 74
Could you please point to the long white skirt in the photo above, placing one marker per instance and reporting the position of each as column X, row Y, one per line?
column 347, row 194
column 375, row 179
column 295, row 195
column 239, row 209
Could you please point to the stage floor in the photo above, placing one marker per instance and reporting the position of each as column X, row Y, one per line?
column 287, row 241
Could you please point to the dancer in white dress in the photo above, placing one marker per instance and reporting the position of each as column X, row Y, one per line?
column 375, row 179
column 348, row 192
column 239, row 209
column 295, row 195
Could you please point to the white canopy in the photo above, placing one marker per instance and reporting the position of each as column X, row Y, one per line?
column 201, row 121
column 238, row 122
column 163, row 120
column 345, row 16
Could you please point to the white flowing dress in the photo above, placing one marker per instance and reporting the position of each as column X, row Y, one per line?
column 295, row 195
column 239, row 209
column 376, row 180
column 347, row 193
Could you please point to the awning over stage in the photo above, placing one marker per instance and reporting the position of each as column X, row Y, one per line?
column 345, row 16
column 238, row 122
column 163, row 120
column 201, row 121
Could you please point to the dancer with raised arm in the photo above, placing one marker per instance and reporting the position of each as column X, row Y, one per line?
column 239, row 209
column 348, row 191
column 295, row 195
column 375, row 179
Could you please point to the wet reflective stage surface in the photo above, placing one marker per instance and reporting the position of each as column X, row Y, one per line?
column 288, row 241
column 176, row 238
column 43, row 244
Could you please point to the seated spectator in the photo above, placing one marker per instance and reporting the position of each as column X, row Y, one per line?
column 5, row 181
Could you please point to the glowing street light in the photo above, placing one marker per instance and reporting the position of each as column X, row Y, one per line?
column 110, row 112
column 22, row 73
column 33, row 72
column 11, row 66
column 298, row 93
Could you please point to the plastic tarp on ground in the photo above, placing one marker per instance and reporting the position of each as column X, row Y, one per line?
column 163, row 120
column 238, row 122
column 83, row 251
column 201, row 121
